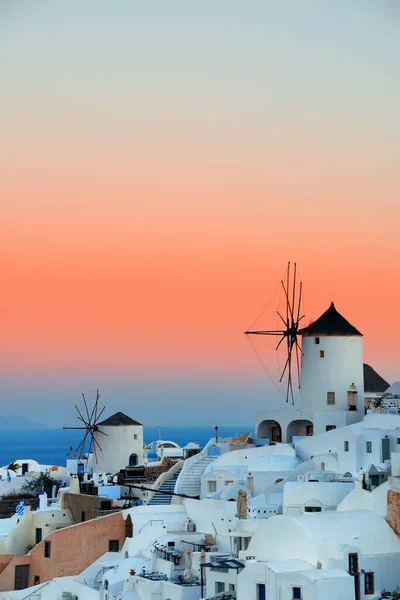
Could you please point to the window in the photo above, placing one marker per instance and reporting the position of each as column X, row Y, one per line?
column 296, row 593
column 353, row 563
column 135, row 436
column 311, row 509
column 260, row 591
column 38, row 535
column 346, row 446
column 322, row 353
column 228, row 482
column 113, row 545
column 316, row 340
column 83, row 516
column 369, row 583
column 322, row 466
column 212, row 486
column 219, row 587
column 47, row 549
column 36, row 580
column 330, row 427
column 398, row 441
column 309, row 429
column 330, row 398
column 231, row 587
column 368, row 447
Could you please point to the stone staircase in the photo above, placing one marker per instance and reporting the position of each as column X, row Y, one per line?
column 190, row 482
column 167, row 486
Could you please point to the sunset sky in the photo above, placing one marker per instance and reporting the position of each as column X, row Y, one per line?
column 161, row 162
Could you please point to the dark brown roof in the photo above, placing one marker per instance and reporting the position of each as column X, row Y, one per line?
column 331, row 322
column 119, row 419
column 373, row 382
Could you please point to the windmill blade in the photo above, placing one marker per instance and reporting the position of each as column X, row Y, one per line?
column 80, row 415
column 280, row 342
column 266, row 332
column 82, row 444
column 294, row 291
column 87, row 411
column 99, row 415
column 288, row 306
column 284, row 368
column 92, row 414
column 89, row 451
column 100, row 431
column 298, row 318
column 95, row 454
column 97, row 444
column 298, row 364
column 282, row 319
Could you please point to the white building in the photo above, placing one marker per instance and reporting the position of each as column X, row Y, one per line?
column 332, row 382
column 355, row 448
column 252, row 469
column 335, row 555
column 121, row 441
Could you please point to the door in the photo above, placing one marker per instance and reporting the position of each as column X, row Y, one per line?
column 260, row 594
column 24, row 468
column 385, row 449
column 21, row 577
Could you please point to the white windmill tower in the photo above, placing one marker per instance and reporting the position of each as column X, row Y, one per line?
column 121, row 441
column 332, row 374
column 325, row 360
column 112, row 444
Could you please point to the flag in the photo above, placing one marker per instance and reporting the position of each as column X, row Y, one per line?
column 20, row 508
column 8, row 476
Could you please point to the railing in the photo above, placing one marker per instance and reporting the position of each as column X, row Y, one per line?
column 104, row 513
column 34, row 592
column 150, row 523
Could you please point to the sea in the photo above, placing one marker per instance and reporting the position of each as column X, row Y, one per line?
column 52, row 446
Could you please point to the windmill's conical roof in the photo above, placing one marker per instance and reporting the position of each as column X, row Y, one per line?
column 119, row 419
column 331, row 322
column 373, row 382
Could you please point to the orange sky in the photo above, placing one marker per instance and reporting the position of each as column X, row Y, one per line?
column 146, row 219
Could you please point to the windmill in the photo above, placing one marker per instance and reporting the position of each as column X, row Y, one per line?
column 288, row 317
column 89, row 425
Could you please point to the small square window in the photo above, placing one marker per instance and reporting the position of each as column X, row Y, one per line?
column 330, row 398
column 113, row 545
column 368, row 447
column 296, row 593
column 212, row 486
column 330, row 427
column 346, row 446
column 316, row 340
column 322, row 353
column 47, row 549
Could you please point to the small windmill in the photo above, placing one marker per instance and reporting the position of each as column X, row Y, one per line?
column 90, row 423
column 289, row 332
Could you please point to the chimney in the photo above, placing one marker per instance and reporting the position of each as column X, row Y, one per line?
column 393, row 504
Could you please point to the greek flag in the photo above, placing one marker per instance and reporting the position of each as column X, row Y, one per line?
column 20, row 508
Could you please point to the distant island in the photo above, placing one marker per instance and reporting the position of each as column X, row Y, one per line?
column 15, row 422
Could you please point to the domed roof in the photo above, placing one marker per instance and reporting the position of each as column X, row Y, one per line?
column 331, row 322
column 119, row 419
